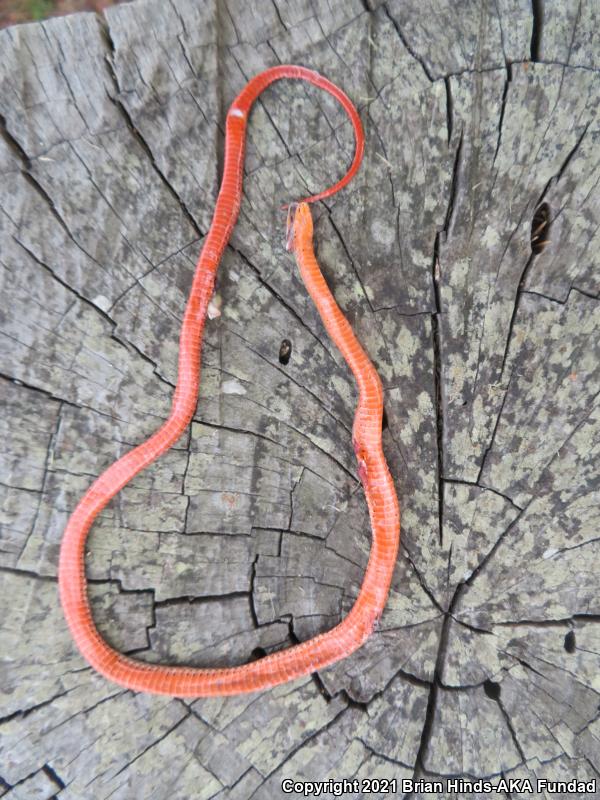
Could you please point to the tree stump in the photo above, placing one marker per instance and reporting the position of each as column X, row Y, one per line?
column 465, row 254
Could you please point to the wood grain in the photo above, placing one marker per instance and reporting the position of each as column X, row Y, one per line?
column 487, row 657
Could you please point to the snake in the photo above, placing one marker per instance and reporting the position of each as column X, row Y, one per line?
column 354, row 629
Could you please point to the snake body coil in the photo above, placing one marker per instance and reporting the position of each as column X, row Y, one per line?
column 348, row 635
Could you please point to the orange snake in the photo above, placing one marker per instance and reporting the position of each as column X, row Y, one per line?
column 346, row 637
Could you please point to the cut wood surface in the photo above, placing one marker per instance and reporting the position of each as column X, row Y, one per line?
column 252, row 533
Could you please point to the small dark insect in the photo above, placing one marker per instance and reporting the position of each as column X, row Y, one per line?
column 540, row 228
column 492, row 689
column 285, row 351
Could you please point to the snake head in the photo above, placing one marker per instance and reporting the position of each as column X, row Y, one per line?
column 299, row 225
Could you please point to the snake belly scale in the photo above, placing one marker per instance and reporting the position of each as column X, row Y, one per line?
column 325, row 648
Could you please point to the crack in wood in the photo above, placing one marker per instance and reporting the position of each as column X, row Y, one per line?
column 537, row 9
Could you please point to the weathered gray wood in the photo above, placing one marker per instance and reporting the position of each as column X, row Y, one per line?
column 252, row 533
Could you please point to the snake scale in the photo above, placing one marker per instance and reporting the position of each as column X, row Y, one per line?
column 346, row 637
